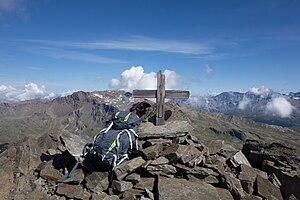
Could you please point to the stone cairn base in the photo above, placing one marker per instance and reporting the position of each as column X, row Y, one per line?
column 170, row 164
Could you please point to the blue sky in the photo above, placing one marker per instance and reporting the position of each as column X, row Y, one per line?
column 52, row 46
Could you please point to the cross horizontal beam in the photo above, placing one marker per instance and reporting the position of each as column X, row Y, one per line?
column 177, row 94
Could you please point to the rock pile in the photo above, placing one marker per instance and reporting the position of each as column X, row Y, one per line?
column 170, row 164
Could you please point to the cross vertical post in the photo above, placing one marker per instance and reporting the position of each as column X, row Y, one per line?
column 160, row 99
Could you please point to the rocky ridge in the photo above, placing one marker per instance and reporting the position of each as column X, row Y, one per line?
column 82, row 113
column 171, row 164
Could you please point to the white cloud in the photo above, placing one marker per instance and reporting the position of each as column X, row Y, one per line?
column 260, row 91
column 4, row 88
column 69, row 92
column 30, row 91
column 134, row 43
column 208, row 70
column 51, row 95
column 243, row 104
column 74, row 55
column 172, row 79
column 280, row 106
column 136, row 78
column 35, row 89
column 114, row 83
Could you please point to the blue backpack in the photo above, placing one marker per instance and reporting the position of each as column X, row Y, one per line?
column 113, row 143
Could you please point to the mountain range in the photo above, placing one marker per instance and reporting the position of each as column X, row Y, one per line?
column 82, row 112
column 263, row 106
column 85, row 113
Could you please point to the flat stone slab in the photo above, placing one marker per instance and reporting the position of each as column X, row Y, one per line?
column 267, row 190
column 75, row 143
column 178, row 189
column 128, row 167
column 70, row 191
column 169, row 130
column 238, row 159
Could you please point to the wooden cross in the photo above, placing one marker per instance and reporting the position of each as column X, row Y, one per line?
column 160, row 94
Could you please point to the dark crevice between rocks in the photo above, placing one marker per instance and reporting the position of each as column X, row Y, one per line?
column 155, row 189
column 64, row 161
column 3, row 147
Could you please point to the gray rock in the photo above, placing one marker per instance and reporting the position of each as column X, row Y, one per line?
column 70, row 191
column 145, row 198
column 218, row 161
column 112, row 197
column 97, row 181
column 127, row 195
column 224, row 194
column 164, row 142
column 178, row 189
column 289, row 179
column 130, row 166
column 160, row 161
column 258, row 151
column 207, row 179
column 86, row 195
column 56, row 197
column 121, row 186
column 239, row 158
column 199, row 171
column 152, row 152
column 7, row 176
column 171, row 129
column 149, row 194
column 145, row 182
column 193, row 138
column 252, row 197
column 195, row 144
column 267, row 190
column 146, row 164
column 164, row 169
column 248, row 176
column 75, row 143
column 76, row 178
column 35, row 194
column 229, row 150
column 179, row 140
column 133, row 194
column 215, row 146
column 49, row 173
column 174, row 152
column 211, row 179
column 99, row 195
column 228, row 181
column 134, row 178
column 192, row 156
